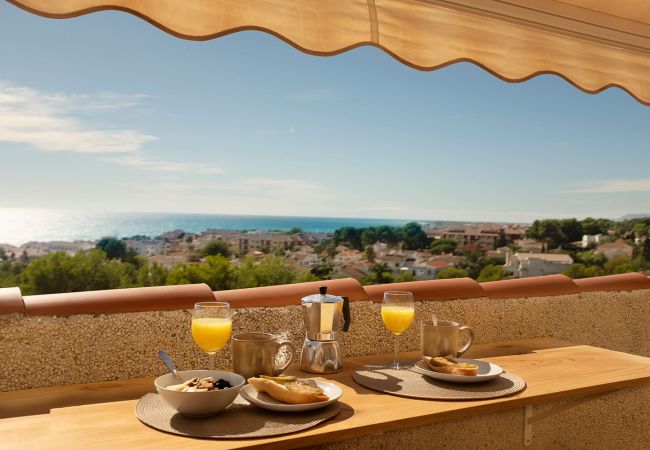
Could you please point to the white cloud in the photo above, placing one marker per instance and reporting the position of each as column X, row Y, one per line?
column 64, row 123
column 297, row 188
column 46, row 121
column 637, row 185
column 146, row 163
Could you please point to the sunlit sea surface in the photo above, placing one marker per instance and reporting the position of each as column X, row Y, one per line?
column 18, row 226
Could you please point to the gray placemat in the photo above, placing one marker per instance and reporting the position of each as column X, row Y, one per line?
column 406, row 383
column 240, row 420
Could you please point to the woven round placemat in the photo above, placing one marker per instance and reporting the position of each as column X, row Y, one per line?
column 406, row 383
column 240, row 420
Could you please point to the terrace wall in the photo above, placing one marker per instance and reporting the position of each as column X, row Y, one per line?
column 89, row 337
column 64, row 347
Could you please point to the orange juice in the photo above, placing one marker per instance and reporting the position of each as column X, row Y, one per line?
column 397, row 318
column 211, row 333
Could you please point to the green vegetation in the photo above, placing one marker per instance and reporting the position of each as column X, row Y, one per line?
column 214, row 248
column 93, row 270
column 411, row 236
column 452, row 272
column 440, row 246
column 113, row 265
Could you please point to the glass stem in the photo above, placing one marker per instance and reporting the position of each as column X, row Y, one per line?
column 396, row 362
column 212, row 361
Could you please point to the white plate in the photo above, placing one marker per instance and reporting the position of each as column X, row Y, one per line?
column 264, row 400
column 486, row 371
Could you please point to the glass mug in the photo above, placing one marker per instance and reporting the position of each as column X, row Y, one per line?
column 253, row 354
column 442, row 339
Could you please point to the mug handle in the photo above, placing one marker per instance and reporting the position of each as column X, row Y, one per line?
column 469, row 342
column 277, row 370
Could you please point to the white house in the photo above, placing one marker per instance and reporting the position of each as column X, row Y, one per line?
column 523, row 265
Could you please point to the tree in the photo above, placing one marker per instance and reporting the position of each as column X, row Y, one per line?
column 216, row 247
column 215, row 271
column 323, row 271
column 370, row 254
column 294, row 230
column 571, row 229
column 271, row 270
column 152, row 275
column 414, row 237
column 502, row 240
column 645, row 252
column 621, row 264
column 405, row 276
column 380, row 273
column 492, row 272
column 548, row 231
column 349, row 236
column 439, row 246
column 452, row 272
column 85, row 271
column 113, row 247
column 591, row 258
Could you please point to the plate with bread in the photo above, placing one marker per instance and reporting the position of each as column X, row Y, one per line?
column 457, row 370
column 290, row 393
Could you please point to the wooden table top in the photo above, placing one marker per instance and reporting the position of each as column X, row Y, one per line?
column 101, row 415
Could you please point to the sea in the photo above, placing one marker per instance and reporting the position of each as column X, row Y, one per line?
column 19, row 226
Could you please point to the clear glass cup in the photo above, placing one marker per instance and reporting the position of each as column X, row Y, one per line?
column 397, row 312
column 211, row 327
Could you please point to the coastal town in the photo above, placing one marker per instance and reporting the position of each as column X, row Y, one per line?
column 486, row 252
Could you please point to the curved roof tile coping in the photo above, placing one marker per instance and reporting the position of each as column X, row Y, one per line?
column 118, row 300
column 430, row 289
column 622, row 282
column 290, row 294
column 11, row 300
column 531, row 287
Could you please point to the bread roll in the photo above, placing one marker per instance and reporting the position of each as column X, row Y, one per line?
column 294, row 392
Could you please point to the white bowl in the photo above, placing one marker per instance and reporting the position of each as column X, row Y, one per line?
column 199, row 404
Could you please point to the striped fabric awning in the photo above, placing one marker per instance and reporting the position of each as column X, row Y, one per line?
column 594, row 44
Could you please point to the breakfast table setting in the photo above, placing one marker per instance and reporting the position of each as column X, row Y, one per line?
column 266, row 401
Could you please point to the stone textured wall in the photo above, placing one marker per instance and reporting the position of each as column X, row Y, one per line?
column 618, row 420
column 49, row 351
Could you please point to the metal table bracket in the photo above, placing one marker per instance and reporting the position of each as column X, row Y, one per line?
column 530, row 419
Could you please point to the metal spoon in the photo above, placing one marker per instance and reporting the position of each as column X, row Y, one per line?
column 162, row 354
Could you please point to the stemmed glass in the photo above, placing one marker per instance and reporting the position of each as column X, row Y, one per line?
column 211, row 327
column 397, row 312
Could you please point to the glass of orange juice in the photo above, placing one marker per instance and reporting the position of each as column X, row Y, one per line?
column 211, row 327
column 397, row 312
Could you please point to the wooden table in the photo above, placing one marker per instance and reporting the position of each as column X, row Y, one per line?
column 102, row 415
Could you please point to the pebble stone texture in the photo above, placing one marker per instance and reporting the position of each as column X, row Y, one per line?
column 50, row 351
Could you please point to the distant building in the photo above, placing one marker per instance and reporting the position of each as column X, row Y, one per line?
column 34, row 249
column 168, row 261
column 523, row 265
column 147, row 247
column 590, row 239
column 618, row 248
column 529, row 245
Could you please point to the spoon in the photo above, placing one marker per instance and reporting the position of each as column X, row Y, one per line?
column 162, row 354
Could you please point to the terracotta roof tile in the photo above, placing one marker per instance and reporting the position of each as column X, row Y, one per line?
column 290, row 294
column 622, row 282
column 118, row 300
column 531, row 287
column 11, row 300
column 430, row 289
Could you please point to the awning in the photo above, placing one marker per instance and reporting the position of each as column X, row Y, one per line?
column 594, row 44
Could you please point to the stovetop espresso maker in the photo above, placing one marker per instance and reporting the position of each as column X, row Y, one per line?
column 325, row 316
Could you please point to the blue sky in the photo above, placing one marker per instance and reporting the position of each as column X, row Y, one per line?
column 105, row 112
